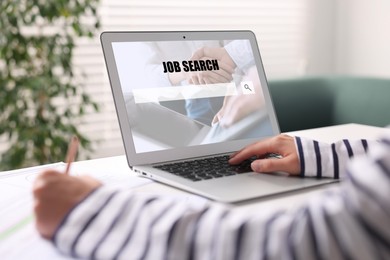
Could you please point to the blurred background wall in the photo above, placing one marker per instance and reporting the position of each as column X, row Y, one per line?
column 348, row 37
column 296, row 38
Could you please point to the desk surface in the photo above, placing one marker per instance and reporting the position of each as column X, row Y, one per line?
column 334, row 133
column 15, row 228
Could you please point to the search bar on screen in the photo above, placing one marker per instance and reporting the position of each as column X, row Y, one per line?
column 146, row 95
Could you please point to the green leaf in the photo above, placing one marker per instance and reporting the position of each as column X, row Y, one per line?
column 36, row 128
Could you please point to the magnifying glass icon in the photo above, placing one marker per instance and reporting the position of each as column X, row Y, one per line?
column 246, row 86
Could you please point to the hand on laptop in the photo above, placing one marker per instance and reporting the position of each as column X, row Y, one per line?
column 225, row 62
column 237, row 107
column 55, row 194
column 223, row 75
column 281, row 144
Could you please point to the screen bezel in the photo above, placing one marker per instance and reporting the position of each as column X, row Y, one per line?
column 134, row 158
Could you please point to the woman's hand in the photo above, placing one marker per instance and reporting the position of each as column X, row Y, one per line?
column 55, row 194
column 283, row 145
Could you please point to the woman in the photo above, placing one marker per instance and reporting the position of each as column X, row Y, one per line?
column 86, row 219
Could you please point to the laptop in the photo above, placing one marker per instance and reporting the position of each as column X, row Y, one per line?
column 185, row 101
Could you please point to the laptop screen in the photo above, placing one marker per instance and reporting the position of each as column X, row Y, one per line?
column 190, row 93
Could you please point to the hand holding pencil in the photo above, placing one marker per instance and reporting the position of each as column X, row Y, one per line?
column 56, row 193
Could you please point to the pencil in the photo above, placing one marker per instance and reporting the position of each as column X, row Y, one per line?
column 71, row 154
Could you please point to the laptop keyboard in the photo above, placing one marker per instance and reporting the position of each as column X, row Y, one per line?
column 206, row 168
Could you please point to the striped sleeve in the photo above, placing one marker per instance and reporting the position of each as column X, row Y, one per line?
column 328, row 160
column 351, row 221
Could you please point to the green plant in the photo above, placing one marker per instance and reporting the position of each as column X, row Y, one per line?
column 41, row 100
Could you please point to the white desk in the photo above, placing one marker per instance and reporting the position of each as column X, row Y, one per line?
column 19, row 240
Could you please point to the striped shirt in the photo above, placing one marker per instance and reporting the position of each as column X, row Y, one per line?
column 349, row 222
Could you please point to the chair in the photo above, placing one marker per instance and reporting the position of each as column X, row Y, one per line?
column 304, row 103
